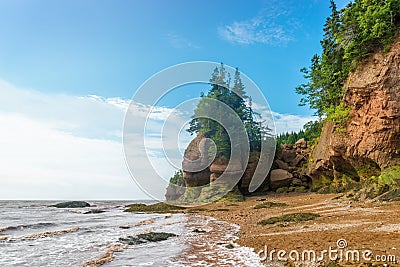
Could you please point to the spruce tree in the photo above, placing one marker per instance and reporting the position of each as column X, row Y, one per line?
column 235, row 97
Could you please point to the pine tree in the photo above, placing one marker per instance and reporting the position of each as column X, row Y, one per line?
column 363, row 27
column 234, row 97
column 326, row 76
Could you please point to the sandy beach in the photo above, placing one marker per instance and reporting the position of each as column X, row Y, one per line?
column 371, row 226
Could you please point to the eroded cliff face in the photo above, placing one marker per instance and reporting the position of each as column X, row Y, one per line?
column 197, row 171
column 372, row 135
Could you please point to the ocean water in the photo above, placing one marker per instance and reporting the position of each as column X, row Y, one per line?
column 33, row 234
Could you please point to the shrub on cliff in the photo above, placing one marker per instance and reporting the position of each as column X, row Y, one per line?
column 177, row 179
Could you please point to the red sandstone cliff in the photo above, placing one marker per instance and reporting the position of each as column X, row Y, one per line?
column 372, row 136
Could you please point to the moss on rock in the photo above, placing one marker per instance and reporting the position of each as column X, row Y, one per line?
column 291, row 217
column 160, row 207
column 233, row 196
column 282, row 190
column 147, row 237
column 268, row 204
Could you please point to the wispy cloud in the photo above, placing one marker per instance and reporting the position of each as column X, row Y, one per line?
column 271, row 26
column 289, row 122
column 179, row 42
column 283, row 122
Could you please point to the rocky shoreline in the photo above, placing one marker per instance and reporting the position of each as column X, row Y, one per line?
column 308, row 221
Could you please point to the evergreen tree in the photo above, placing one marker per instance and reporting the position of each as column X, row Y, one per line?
column 235, row 97
column 363, row 27
column 325, row 76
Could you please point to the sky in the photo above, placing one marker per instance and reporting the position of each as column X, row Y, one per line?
column 68, row 70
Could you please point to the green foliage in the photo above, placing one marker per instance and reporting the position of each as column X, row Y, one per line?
column 311, row 131
column 289, row 138
column 383, row 185
column 292, row 217
column 233, row 196
column 211, row 193
column 363, row 27
column 368, row 25
column 340, row 184
column 282, row 190
column 322, row 182
column 390, row 176
column 340, row 115
column 368, row 170
column 191, row 194
column 235, row 97
column 300, row 189
column 177, row 179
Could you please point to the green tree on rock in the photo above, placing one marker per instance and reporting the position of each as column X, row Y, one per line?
column 233, row 96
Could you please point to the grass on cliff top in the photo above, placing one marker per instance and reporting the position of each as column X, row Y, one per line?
column 292, row 217
column 268, row 204
column 154, row 208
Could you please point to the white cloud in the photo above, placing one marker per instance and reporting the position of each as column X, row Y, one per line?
column 283, row 122
column 89, row 117
column 272, row 26
column 40, row 162
column 63, row 146
column 290, row 123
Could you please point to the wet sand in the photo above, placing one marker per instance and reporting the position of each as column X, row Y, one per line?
column 371, row 226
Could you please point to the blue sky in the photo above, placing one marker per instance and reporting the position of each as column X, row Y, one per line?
column 109, row 48
column 69, row 68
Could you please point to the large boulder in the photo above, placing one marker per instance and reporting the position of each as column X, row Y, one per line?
column 195, row 163
column 235, row 166
column 199, row 171
column 193, row 179
column 299, row 160
column 280, row 178
column 71, row 204
column 196, row 156
column 174, row 192
column 282, row 165
column 249, row 172
column 287, row 154
column 301, row 143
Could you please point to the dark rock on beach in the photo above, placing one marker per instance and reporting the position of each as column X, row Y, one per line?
column 94, row 212
column 144, row 238
column 71, row 204
column 199, row 231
